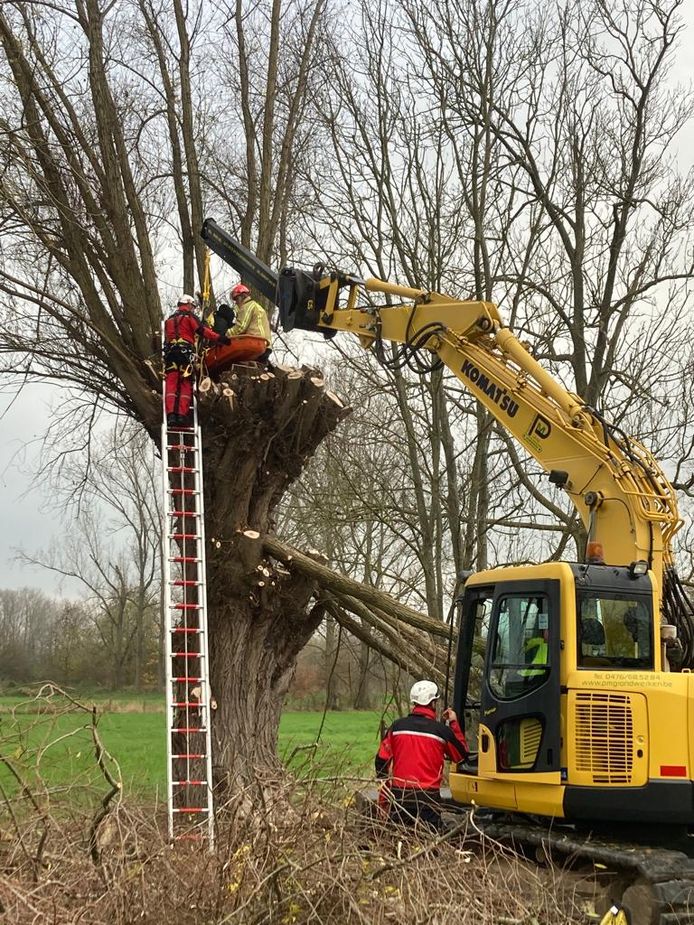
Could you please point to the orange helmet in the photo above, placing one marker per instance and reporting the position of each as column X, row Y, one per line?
column 239, row 290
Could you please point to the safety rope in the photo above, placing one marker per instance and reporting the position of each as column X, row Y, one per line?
column 205, row 294
column 206, row 283
column 615, row 915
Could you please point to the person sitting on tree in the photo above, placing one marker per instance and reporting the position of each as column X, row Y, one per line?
column 251, row 319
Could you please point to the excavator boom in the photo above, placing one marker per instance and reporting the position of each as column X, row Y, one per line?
column 617, row 486
column 252, row 270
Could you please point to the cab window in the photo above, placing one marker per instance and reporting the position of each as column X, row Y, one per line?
column 520, row 656
column 614, row 632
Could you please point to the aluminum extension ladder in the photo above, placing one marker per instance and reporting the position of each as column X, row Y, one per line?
column 188, row 700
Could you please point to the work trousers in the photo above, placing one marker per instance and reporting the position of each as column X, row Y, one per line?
column 179, row 391
column 410, row 808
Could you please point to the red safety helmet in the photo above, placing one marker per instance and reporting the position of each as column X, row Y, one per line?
column 239, row 290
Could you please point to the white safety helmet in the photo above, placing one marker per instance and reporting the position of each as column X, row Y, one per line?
column 423, row 692
column 186, row 300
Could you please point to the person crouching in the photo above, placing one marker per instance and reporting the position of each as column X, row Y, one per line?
column 411, row 756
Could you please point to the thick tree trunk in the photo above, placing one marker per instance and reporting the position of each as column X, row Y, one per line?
column 256, row 441
column 252, row 661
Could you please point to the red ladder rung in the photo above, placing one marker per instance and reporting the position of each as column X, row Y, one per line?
column 189, row 755
column 184, row 559
column 189, row 729
column 190, row 809
column 189, row 783
column 183, row 491
column 186, row 629
column 183, row 582
column 184, row 536
column 183, row 514
column 181, row 469
column 187, row 679
column 186, row 655
column 187, row 606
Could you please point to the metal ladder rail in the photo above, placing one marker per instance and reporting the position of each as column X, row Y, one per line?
column 203, row 673
column 181, row 673
column 206, row 698
column 187, row 443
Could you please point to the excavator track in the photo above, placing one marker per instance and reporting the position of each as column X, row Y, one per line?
column 654, row 883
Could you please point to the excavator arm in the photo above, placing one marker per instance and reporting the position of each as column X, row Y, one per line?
column 623, row 496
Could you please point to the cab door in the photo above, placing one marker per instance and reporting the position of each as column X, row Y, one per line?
column 508, row 677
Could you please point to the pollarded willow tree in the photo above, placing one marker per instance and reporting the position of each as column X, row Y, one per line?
column 115, row 136
column 110, row 118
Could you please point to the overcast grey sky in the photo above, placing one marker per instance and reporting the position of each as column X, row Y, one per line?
column 27, row 518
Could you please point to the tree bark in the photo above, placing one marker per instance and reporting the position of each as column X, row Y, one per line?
column 260, row 614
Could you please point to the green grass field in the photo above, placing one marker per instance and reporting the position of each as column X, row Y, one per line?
column 58, row 747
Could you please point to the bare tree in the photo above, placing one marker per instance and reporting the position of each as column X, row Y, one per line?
column 524, row 155
column 27, row 618
column 575, row 109
column 89, row 172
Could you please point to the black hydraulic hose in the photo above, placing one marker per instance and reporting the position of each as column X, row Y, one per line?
column 679, row 611
column 407, row 353
column 624, row 442
column 451, row 622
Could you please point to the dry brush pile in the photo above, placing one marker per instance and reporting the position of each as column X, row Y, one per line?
column 83, row 854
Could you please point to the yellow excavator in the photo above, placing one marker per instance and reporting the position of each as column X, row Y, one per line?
column 574, row 677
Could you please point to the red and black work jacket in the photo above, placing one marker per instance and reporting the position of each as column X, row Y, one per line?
column 184, row 326
column 413, row 750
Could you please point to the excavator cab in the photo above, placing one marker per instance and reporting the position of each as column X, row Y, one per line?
column 567, row 697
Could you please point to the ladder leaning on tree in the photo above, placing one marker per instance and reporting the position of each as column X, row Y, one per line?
column 188, row 699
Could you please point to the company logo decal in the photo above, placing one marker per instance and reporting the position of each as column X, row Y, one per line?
column 498, row 395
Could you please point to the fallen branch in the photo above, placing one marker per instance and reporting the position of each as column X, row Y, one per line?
column 392, row 653
column 331, row 580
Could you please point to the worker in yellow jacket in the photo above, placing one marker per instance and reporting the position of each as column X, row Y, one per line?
column 251, row 317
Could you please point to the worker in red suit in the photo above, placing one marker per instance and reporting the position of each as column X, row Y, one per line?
column 410, row 759
column 181, row 333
